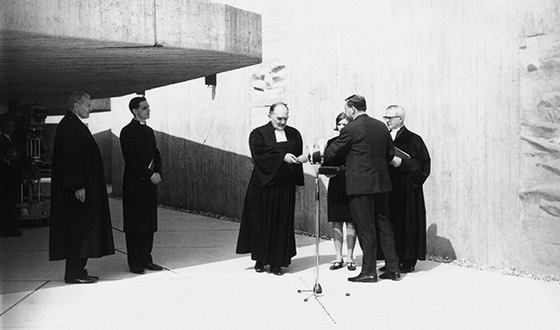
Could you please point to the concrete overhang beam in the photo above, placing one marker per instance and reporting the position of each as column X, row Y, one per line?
column 49, row 48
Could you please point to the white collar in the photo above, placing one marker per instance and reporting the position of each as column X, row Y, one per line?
column 280, row 135
column 394, row 132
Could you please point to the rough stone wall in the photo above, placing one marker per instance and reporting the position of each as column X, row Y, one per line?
column 540, row 133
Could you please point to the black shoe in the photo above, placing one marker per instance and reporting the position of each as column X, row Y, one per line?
column 337, row 265
column 351, row 266
column 138, row 270
column 276, row 270
column 81, row 280
column 259, row 267
column 85, row 274
column 12, row 233
column 395, row 276
column 382, row 269
column 406, row 269
column 363, row 278
column 152, row 266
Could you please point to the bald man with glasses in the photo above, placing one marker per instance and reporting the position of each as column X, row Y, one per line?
column 408, row 170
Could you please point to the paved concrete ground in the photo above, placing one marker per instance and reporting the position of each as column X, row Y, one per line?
column 207, row 286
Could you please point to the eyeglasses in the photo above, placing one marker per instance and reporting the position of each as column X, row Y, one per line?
column 390, row 118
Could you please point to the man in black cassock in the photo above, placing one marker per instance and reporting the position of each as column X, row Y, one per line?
column 267, row 222
column 80, row 219
column 142, row 173
column 406, row 202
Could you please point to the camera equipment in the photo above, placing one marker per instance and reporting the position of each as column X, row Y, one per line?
column 30, row 134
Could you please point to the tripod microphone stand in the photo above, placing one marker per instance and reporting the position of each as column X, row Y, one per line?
column 317, row 289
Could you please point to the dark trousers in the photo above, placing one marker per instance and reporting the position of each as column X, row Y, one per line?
column 8, row 209
column 369, row 213
column 75, row 268
column 139, row 249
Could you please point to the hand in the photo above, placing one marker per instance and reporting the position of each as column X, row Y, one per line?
column 396, row 162
column 155, row 178
column 303, row 159
column 290, row 159
column 80, row 194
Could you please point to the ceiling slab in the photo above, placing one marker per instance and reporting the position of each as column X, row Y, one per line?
column 45, row 68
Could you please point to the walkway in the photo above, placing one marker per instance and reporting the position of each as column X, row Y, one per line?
column 207, row 286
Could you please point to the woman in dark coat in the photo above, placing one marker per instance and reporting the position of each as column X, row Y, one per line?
column 267, row 223
column 80, row 220
column 339, row 208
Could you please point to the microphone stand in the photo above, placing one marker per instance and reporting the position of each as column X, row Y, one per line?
column 317, row 289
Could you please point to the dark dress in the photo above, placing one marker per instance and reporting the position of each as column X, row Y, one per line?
column 78, row 230
column 338, row 208
column 138, row 145
column 406, row 201
column 267, row 222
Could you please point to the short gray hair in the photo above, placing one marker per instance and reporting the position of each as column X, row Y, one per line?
column 76, row 97
column 398, row 107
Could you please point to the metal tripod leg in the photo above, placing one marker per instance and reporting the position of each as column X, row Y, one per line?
column 317, row 289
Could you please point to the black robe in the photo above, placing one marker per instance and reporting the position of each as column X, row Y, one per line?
column 267, row 222
column 406, row 201
column 78, row 230
column 138, row 145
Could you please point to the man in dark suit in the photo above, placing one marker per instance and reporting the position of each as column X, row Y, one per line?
column 80, row 219
column 142, row 172
column 10, row 177
column 368, row 148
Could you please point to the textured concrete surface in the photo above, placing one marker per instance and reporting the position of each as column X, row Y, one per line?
column 207, row 286
column 540, row 167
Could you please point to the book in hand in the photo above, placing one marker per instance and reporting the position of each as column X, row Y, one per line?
column 401, row 154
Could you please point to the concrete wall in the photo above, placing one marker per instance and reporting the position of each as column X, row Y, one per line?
column 460, row 68
column 540, row 135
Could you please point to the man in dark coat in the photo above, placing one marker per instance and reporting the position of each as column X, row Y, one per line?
column 10, row 177
column 406, row 202
column 368, row 148
column 267, row 222
column 142, row 172
column 80, row 219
